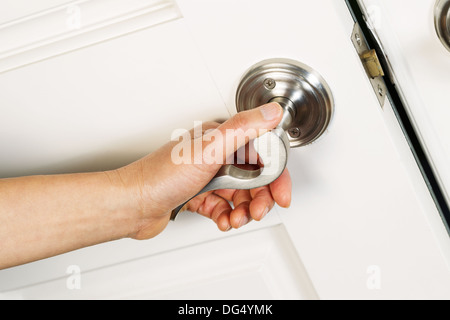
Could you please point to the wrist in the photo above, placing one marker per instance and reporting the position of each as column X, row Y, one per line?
column 131, row 190
column 124, row 202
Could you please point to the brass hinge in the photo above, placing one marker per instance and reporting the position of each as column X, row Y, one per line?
column 371, row 64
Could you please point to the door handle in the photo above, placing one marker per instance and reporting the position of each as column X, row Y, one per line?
column 442, row 21
column 308, row 107
column 232, row 177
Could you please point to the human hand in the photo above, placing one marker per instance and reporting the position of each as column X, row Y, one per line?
column 158, row 184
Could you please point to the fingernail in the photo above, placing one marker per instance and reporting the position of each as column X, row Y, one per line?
column 243, row 221
column 266, row 210
column 271, row 111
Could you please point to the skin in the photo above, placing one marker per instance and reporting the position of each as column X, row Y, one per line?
column 43, row 216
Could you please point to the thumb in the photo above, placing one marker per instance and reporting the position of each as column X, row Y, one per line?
column 246, row 126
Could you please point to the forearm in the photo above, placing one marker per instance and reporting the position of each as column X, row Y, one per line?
column 43, row 216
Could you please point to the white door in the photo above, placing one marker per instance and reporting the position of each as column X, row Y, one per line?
column 420, row 64
column 95, row 84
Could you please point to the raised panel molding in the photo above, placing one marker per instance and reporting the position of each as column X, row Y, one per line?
column 266, row 267
column 76, row 25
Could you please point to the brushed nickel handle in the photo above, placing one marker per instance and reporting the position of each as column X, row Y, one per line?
column 231, row 177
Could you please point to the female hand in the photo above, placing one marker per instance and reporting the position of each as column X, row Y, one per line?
column 160, row 185
column 43, row 216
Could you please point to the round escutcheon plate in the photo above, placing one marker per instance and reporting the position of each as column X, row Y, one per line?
column 442, row 21
column 310, row 95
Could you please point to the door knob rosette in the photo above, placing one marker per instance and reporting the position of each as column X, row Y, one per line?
column 442, row 21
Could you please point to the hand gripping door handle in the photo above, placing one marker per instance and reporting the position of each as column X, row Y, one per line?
column 273, row 149
column 308, row 106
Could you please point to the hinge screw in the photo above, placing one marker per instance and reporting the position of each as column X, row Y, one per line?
column 380, row 91
column 358, row 39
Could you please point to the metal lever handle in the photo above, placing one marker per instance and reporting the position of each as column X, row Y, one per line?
column 273, row 149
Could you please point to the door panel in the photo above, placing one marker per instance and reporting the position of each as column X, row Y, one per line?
column 61, row 29
column 267, row 267
column 359, row 225
column 103, row 106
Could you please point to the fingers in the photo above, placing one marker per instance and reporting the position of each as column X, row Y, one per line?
column 248, row 204
column 243, row 127
column 240, row 216
column 281, row 190
column 227, row 194
column 214, row 207
column 265, row 198
column 243, row 204
column 262, row 203
column 218, row 209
